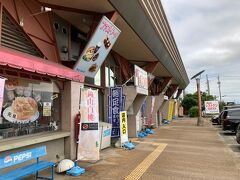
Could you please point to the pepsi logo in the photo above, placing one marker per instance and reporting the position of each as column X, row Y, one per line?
column 7, row 159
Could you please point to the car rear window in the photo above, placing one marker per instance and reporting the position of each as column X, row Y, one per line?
column 234, row 113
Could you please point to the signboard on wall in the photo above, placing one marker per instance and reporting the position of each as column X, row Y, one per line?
column 97, row 48
column 211, row 107
column 141, row 80
column 89, row 138
column 123, row 127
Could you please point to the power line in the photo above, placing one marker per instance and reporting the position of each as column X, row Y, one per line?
column 208, row 88
column 219, row 87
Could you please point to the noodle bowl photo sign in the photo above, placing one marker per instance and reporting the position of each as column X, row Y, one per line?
column 22, row 110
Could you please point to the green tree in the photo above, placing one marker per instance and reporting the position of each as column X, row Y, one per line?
column 193, row 111
column 221, row 105
column 191, row 100
column 188, row 102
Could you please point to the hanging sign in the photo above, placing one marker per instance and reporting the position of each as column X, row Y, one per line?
column 165, row 98
column 141, row 80
column 211, row 107
column 97, row 48
column 170, row 110
column 89, row 138
column 123, row 127
column 116, row 101
column 2, row 83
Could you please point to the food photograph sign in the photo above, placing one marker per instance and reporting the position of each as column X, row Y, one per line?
column 97, row 48
column 19, row 107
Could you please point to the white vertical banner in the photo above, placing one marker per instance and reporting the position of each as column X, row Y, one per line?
column 89, row 138
column 141, row 80
column 2, row 84
column 123, row 127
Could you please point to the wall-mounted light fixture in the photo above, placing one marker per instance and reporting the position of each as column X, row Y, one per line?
column 42, row 10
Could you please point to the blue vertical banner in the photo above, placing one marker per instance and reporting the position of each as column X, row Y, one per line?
column 123, row 102
column 116, row 103
column 109, row 110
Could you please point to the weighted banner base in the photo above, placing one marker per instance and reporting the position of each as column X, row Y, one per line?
column 129, row 145
column 75, row 170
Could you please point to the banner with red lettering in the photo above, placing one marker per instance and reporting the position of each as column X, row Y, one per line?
column 2, row 83
column 89, row 138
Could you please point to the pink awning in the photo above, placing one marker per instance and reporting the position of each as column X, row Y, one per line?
column 30, row 63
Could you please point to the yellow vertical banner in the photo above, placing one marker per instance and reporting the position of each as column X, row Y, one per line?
column 170, row 110
column 123, row 127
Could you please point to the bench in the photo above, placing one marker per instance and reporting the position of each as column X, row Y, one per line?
column 20, row 157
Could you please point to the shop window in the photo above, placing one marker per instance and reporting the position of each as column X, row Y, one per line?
column 112, row 72
column 97, row 78
column 29, row 107
column 110, row 77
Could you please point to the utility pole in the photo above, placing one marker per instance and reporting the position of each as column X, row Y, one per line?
column 199, row 122
column 208, row 88
column 197, row 77
column 219, row 88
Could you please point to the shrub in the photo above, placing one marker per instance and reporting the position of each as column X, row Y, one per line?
column 193, row 111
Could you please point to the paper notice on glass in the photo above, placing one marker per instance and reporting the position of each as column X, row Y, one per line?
column 47, row 108
column 89, row 138
column 2, row 83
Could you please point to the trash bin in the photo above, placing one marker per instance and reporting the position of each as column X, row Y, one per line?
column 105, row 134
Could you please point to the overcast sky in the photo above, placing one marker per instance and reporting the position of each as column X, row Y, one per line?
column 207, row 34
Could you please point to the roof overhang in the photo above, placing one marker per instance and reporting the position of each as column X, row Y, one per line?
column 138, row 41
column 139, row 19
column 22, row 61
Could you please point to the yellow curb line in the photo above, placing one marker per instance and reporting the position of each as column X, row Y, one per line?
column 146, row 163
column 147, row 142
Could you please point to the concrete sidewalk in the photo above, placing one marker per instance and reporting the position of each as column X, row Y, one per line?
column 180, row 150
